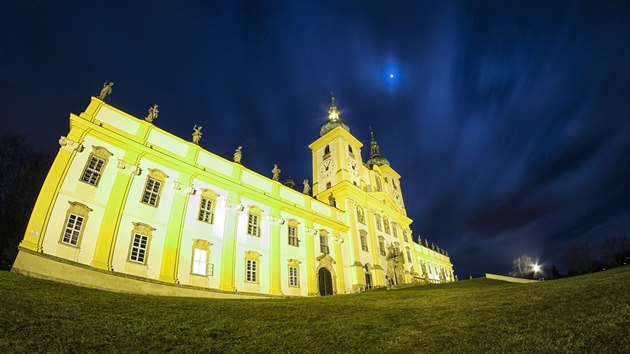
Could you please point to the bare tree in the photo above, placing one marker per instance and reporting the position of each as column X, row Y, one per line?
column 22, row 172
column 615, row 251
column 522, row 266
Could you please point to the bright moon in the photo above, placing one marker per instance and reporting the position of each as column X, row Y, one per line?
column 391, row 75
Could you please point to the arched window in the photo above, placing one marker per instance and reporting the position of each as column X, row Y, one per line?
column 360, row 215
column 364, row 242
column 377, row 220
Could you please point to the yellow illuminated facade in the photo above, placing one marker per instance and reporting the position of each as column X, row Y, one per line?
column 129, row 207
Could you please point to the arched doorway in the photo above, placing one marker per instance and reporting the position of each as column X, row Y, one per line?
column 325, row 282
column 368, row 277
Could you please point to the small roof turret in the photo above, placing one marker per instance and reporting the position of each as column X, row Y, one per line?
column 334, row 120
column 375, row 153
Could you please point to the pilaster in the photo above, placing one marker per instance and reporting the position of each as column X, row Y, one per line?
column 174, row 230
column 311, row 275
column 275, row 273
column 341, row 284
column 108, row 232
column 38, row 223
column 228, row 252
column 354, row 240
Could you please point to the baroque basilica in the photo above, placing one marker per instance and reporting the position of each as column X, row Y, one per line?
column 127, row 206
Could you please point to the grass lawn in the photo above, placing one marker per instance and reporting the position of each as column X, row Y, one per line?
column 588, row 313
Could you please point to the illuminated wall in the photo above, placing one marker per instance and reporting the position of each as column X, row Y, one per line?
column 212, row 223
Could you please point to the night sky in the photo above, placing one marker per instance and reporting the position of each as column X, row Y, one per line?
column 508, row 121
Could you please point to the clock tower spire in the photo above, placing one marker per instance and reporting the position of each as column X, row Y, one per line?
column 336, row 154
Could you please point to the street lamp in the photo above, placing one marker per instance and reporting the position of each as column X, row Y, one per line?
column 536, row 269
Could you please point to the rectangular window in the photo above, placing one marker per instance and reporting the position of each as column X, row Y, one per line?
column 408, row 255
column 364, row 245
column 253, row 227
column 377, row 219
column 381, row 246
column 328, row 185
column 93, row 170
column 293, row 240
column 200, row 261
column 293, row 276
column 405, row 236
column 152, row 192
column 73, row 229
column 205, row 210
column 139, row 248
column 323, row 244
column 394, row 230
column 251, row 271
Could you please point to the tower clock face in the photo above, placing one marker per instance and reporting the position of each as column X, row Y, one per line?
column 327, row 168
column 353, row 167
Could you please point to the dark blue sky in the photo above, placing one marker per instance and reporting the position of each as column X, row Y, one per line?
column 508, row 121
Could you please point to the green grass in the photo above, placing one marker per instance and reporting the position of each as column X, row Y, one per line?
column 589, row 313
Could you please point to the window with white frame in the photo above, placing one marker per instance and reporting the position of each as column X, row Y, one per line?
column 93, row 170
column 323, row 242
column 200, row 261
column 292, row 233
column 386, row 225
column 73, row 229
column 294, row 271
column 95, row 165
column 394, row 229
column 293, row 277
column 201, row 257
column 360, row 215
column 409, row 254
column 153, row 187
column 139, row 248
column 364, row 242
column 140, row 240
column 253, row 224
column 381, row 245
column 206, row 210
column 251, row 271
column 76, row 218
column 405, row 237
column 207, row 204
column 252, row 262
column 377, row 220
column 152, row 192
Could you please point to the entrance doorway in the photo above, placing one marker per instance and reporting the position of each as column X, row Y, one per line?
column 368, row 277
column 325, row 282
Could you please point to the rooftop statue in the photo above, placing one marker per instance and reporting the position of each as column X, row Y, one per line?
column 307, row 187
column 106, row 90
column 238, row 154
column 153, row 114
column 331, row 200
column 196, row 135
column 276, row 172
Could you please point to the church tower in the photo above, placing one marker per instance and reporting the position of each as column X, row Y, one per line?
column 336, row 154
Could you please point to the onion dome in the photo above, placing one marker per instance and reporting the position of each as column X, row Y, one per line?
column 375, row 154
column 334, row 120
